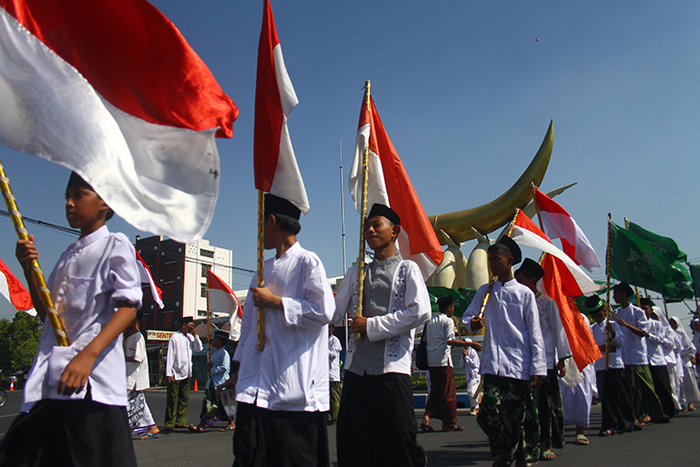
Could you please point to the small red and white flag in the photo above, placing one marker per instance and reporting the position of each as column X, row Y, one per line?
column 147, row 278
column 276, row 169
column 525, row 232
column 388, row 184
column 111, row 90
column 559, row 224
column 223, row 300
column 13, row 290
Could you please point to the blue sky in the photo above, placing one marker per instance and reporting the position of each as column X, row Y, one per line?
column 466, row 94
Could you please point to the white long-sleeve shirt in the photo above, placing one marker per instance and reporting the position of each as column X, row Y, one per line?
column 136, row 371
column 334, row 349
column 614, row 358
column 409, row 307
column 178, row 363
column 556, row 345
column 291, row 372
column 90, row 277
column 513, row 343
column 439, row 330
column 634, row 347
column 658, row 340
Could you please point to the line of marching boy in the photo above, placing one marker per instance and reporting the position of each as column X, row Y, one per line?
column 76, row 397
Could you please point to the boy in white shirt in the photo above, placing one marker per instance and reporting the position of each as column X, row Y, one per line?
column 140, row 417
column 75, row 398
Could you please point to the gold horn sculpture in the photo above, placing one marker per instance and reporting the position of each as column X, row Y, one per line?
column 491, row 216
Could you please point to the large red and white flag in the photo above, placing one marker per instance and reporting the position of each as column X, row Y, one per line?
column 223, row 300
column 111, row 90
column 388, row 184
column 13, row 290
column 276, row 169
column 147, row 278
column 559, row 224
column 563, row 281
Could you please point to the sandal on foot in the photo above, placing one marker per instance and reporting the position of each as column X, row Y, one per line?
column 548, row 456
column 426, row 428
column 581, row 440
column 229, row 428
column 149, row 436
column 454, row 428
column 605, row 432
column 196, row 429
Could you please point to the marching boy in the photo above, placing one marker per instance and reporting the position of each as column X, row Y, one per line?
column 74, row 410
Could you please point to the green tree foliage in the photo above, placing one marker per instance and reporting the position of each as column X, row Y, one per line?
column 19, row 341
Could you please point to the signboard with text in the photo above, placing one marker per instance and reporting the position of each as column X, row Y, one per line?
column 154, row 335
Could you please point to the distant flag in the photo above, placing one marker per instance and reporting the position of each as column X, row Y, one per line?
column 559, row 224
column 388, row 184
column 563, row 281
column 112, row 91
column 276, row 169
column 664, row 245
column 147, row 278
column 223, row 300
column 576, row 282
column 13, row 290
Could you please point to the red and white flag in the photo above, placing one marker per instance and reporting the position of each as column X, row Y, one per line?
column 576, row 281
column 563, row 281
column 147, row 278
column 559, row 224
column 111, row 90
column 276, row 169
column 13, row 290
column 223, row 300
column 388, row 184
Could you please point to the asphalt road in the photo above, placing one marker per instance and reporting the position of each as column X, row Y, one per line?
column 673, row 444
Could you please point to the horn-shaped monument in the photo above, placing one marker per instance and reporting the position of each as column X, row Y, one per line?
column 491, row 216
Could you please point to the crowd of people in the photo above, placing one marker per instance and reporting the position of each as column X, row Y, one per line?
column 83, row 403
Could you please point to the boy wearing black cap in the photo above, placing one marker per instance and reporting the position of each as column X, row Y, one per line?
column 282, row 390
column 376, row 423
column 76, row 396
column 440, row 335
column 635, row 326
column 556, row 346
column 612, row 385
column 513, row 362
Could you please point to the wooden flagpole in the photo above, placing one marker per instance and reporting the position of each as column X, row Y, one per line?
column 208, row 330
column 261, row 265
column 363, row 214
column 607, row 298
column 59, row 330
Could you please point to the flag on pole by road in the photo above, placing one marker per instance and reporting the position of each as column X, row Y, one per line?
column 388, row 184
column 147, row 278
column 563, row 281
column 276, row 169
column 223, row 300
column 112, row 91
column 557, row 223
column 13, row 290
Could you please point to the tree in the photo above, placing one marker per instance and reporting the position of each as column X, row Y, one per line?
column 19, row 341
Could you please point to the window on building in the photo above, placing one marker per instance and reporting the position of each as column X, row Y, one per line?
column 207, row 253
column 168, row 290
column 203, row 290
column 205, row 268
column 201, row 313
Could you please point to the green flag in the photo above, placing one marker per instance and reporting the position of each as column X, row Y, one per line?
column 462, row 298
column 695, row 273
column 664, row 245
column 681, row 284
column 637, row 262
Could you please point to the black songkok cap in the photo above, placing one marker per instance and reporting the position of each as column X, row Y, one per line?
column 76, row 180
column 645, row 301
column 276, row 205
column 513, row 247
column 593, row 304
column 444, row 302
column 223, row 335
column 384, row 211
column 186, row 319
column 625, row 288
column 531, row 268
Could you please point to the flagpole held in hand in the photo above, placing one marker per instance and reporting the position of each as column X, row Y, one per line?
column 59, row 330
column 261, row 265
column 208, row 332
column 363, row 214
column 607, row 298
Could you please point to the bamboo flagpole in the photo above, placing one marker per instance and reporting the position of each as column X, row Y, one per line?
column 363, row 214
column 59, row 330
column 208, row 331
column 261, row 265
column 607, row 297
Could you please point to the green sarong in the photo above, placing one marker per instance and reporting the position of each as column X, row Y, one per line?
column 508, row 416
column 641, row 391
